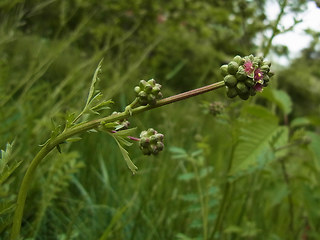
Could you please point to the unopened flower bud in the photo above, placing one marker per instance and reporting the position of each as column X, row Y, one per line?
column 232, row 92
column 241, row 88
column 151, row 142
column 224, row 70
column 148, row 92
column 238, row 60
column 233, row 67
column 230, row 80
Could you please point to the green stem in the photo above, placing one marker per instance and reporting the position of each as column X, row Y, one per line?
column 225, row 198
column 201, row 200
column 80, row 128
column 275, row 27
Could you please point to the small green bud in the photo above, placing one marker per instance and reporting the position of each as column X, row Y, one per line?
column 249, row 82
column 270, row 74
column 266, row 78
column 137, row 89
column 152, row 82
column 232, row 92
column 160, row 146
column 241, row 88
column 156, row 89
column 142, row 94
column 265, row 68
column 267, row 63
column 230, row 80
column 233, row 67
column 151, row 97
column 257, row 61
column 238, row 60
column 142, row 84
column 241, row 74
column 224, row 70
column 148, row 88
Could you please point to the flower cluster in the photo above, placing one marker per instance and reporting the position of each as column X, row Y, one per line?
column 121, row 124
column 246, row 76
column 151, row 142
column 148, row 92
column 216, row 108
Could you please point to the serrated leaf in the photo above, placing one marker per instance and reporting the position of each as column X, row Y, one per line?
column 254, row 148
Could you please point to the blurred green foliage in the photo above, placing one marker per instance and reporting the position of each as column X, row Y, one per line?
column 251, row 172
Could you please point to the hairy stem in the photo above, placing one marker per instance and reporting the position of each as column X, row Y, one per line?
column 80, row 128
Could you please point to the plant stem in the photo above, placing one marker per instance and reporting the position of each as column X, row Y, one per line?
column 83, row 127
column 275, row 27
column 226, row 194
column 290, row 200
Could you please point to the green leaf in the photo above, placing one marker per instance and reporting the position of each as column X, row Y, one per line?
column 125, row 154
column 178, row 153
column 279, row 97
column 126, row 132
column 253, row 149
column 6, row 167
column 93, row 82
column 186, row 177
column 314, row 146
column 299, row 122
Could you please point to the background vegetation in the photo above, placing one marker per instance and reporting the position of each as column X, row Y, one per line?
column 251, row 172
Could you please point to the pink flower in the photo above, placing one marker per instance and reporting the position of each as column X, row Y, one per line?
column 258, row 87
column 258, row 75
column 248, row 67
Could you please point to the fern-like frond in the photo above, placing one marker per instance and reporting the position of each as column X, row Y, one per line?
column 254, row 144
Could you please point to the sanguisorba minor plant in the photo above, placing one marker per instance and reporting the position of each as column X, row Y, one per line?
column 243, row 77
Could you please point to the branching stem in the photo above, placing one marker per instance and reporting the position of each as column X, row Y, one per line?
column 81, row 128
